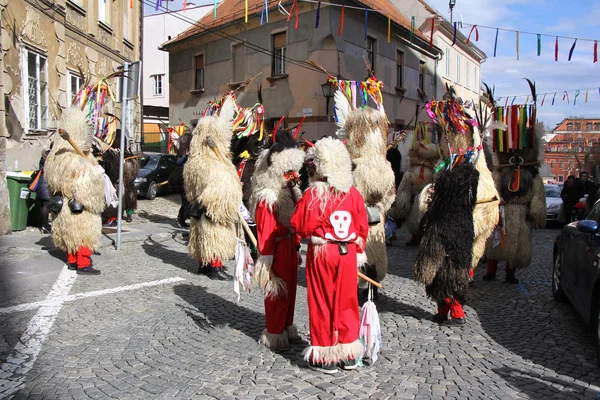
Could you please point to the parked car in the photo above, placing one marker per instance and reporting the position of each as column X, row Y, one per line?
column 155, row 169
column 576, row 271
column 554, row 205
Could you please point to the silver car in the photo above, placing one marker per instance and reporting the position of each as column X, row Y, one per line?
column 554, row 205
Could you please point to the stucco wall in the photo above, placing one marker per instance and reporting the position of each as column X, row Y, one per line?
column 301, row 90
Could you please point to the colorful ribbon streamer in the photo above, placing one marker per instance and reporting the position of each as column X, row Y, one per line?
column 553, row 97
column 130, row 3
column 294, row 8
column 566, row 95
column 572, row 49
column 539, row 44
column 586, row 95
column 246, row 11
column 158, row 4
column 575, row 99
column 389, row 28
column 495, row 41
column 318, row 14
column 556, row 50
column 432, row 30
column 412, row 29
column 595, row 51
column 517, row 39
column 454, row 37
column 474, row 27
column 543, row 99
column 264, row 13
column 341, row 28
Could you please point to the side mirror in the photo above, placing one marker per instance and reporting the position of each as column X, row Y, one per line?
column 587, row 226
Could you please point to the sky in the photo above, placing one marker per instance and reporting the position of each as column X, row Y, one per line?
column 566, row 19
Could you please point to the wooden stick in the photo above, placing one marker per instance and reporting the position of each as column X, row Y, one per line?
column 371, row 281
column 65, row 135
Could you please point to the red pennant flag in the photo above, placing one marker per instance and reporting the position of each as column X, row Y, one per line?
column 294, row 7
column 474, row 27
column 341, row 28
column 556, row 50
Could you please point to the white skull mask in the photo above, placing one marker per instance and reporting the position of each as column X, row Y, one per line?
column 340, row 220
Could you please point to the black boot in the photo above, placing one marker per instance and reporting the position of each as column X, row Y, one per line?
column 510, row 277
column 219, row 274
column 88, row 271
column 205, row 269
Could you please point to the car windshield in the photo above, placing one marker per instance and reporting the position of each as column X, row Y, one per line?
column 149, row 162
column 552, row 191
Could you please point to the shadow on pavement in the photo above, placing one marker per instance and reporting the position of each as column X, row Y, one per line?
column 388, row 304
column 179, row 259
column 157, row 218
column 209, row 310
column 538, row 386
column 47, row 244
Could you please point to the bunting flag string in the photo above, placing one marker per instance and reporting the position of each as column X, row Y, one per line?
column 556, row 50
column 576, row 93
column 341, row 28
column 566, row 95
column 553, row 97
column 572, row 49
column 495, row 42
column 575, row 99
column 539, row 44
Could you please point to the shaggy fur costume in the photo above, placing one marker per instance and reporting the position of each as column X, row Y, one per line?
column 366, row 134
column 524, row 209
column 131, row 168
column 422, row 159
column 445, row 257
column 272, row 204
column 329, row 212
column 214, row 185
column 76, row 178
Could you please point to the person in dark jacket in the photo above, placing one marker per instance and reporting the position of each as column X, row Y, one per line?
column 43, row 196
column 570, row 195
column 588, row 188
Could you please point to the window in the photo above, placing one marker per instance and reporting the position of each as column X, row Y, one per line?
column 458, row 68
column 399, row 69
column 199, row 78
column 588, row 126
column 597, row 126
column 157, row 85
column 569, row 126
column 577, row 126
column 125, row 21
column 561, row 178
column 36, row 98
column 75, row 82
column 279, row 53
column 239, row 62
column 102, row 11
column 447, row 62
column 467, row 72
column 562, row 165
column 371, row 53
column 422, row 76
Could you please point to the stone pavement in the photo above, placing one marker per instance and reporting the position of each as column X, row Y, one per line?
column 150, row 328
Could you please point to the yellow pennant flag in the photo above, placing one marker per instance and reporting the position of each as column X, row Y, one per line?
column 389, row 28
column 246, row 12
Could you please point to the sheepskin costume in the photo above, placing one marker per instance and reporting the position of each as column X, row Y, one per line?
column 422, row 155
column 332, row 214
column 365, row 131
column 80, row 180
column 446, row 249
column 212, row 187
column 517, row 178
column 276, row 191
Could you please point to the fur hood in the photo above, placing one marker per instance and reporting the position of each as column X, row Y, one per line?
column 218, row 128
column 79, row 127
column 332, row 163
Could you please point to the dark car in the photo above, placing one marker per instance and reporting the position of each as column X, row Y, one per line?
column 155, row 169
column 576, row 273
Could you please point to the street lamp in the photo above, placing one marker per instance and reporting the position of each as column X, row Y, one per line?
column 452, row 4
column 327, row 89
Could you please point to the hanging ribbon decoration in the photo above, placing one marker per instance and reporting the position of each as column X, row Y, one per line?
column 575, row 99
column 595, row 51
column 553, row 97
column 432, row 30
column 265, row 13
column 566, row 95
column 367, row 24
column 412, row 29
column 586, row 95
column 294, row 7
column 495, row 41
column 389, row 28
column 544, row 98
column 318, row 14
column 517, row 45
column 539, row 44
column 572, row 49
column 341, row 28
column 158, row 4
column 474, row 27
column 246, row 11
column 556, row 50
column 454, row 37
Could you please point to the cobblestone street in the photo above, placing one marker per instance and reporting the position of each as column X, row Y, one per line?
column 149, row 327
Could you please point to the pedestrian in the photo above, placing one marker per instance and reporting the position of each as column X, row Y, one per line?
column 43, row 194
column 77, row 186
column 570, row 195
column 275, row 192
column 176, row 178
column 214, row 191
column 589, row 189
column 332, row 214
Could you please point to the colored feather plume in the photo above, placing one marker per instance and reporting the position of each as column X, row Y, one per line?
column 532, row 87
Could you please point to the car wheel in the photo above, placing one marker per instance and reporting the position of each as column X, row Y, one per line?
column 152, row 190
column 557, row 291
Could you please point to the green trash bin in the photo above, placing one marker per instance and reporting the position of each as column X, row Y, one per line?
column 18, row 193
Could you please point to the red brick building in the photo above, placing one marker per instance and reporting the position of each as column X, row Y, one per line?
column 574, row 148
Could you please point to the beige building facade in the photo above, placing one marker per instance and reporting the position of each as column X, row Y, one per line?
column 44, row 46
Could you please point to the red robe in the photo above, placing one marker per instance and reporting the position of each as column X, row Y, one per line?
column 331, row 277
column 275, row 239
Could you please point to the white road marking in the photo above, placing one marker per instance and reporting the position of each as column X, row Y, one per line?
column 22, row 358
